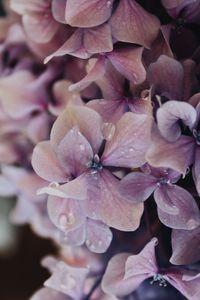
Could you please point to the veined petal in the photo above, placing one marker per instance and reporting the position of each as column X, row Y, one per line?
column 58, row 10
column 136, row 25
column 130, row 141
column 137, row 186
column 87, row 120
column 46, row 164
column 185, row 246
column 84, row 13
column 128, row 62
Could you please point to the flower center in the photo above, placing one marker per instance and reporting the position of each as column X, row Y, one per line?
column 159, row 278
column 96, row 165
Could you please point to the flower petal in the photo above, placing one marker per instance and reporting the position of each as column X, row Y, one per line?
column 138, row 27
column 166, row 76
column 46, row 294
column 177, row 156
column 84, row 13
column 188, row 215
column 168, row 116
column 137, row 187
column 185, row 246
column 128, row 62
column 87, row 120
column 75, row 237
column 68, row 280
column 130, row 141
column 66, row 214
column 46, row 165
column 58, row 10
column 99, row 236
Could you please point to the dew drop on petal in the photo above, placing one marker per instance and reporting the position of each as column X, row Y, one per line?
column 82, row 147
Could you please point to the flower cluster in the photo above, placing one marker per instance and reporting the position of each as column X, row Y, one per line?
column 100, row 142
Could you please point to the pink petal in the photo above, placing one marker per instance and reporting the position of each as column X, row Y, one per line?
column 66, row 214
column 128, row 62
column 166, row 76
column 178, row 155
column 74, row 152
column 185, row 246
column 98, row 39
column 38, row 128
column 87, row 120
column 187, row 217
column 83, row 13
column 68, row 280
column 110, row 110
column 168, row 116
column 97, row 70
column 113, row 282
column 138, row 27
column 105, row 202
column 99, row 236
column 71, row 45
column 40, row 27
column 143, row 263
column 46, row 165
column 23, row 6
column 58, row 10
column 130, row 141
column 196, row 169
column 137, row 187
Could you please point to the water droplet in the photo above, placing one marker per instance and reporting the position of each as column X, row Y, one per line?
column 131, row 149
column 100, row 243
column 66, row 220
column 82, row 147
column 108, row 3
column 54, row 184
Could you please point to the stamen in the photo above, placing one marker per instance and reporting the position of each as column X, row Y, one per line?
column 96, row 165
column 159, row 278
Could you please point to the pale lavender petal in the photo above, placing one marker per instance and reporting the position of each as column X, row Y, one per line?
column 105, row 202
column 68, row 280
column 46, row 165
column 143, row 263
column 128, row 62
column 66, row 214
column 168, row 116
column 99, row 236
column 196, row 169
column 58, row 10
column 74, row 152
column 113, row 282
column 137, row 26
column 110, row 110
column 137, row 187
column 86, row 119
column 83, row 13
column 188, row 215
column 166, row 76
column 130, row 141
column 185, row 246
column 178, row 155
column 74, row 237
column 97, row 70
column 98, row 39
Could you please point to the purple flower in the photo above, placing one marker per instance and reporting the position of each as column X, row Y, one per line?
column 125, row 272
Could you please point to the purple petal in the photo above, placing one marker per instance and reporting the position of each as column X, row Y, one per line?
column 58, row 10
column 138, row 27
column 137, row 187
column 128, row 62
column 168, row 116
column 68, row 280
column 185, row 246
column 99, row 236
column 166, row 76
column 177, row 156
column 130, row 141
column 110, row 110
column 66, row 214
column 183, row 213
column 113, row 281
column 75, row 237
column 46, row 294
column 74, row 152
column 87, row 120
column 105, row 203
column 143, row 263
column 95, row 73
column 46, row 165
column 98, row 39
column 196, row 169
column 83, row 13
